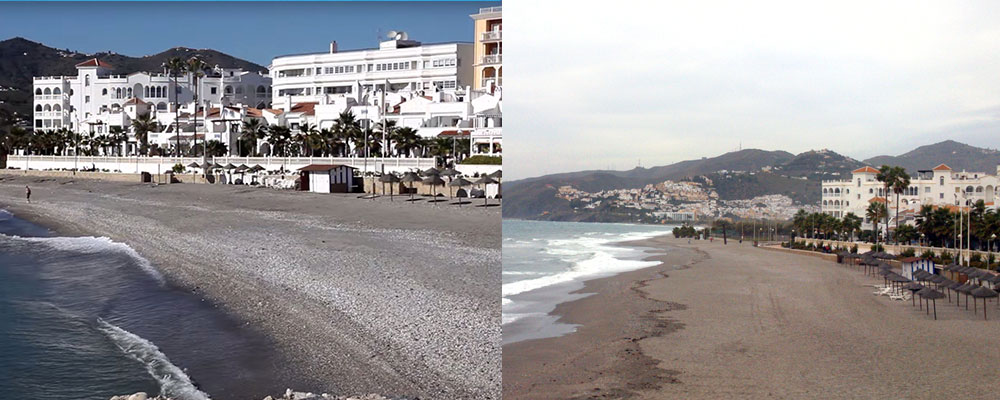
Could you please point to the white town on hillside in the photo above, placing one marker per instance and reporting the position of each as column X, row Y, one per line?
column 445, row 97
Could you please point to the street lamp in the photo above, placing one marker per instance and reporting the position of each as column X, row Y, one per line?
column 989, row 250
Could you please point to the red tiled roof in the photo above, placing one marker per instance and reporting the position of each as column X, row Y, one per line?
column 305, row 108
column 942, row 167
column 877, row 199
column 911, row 259
column 274, row 111
column 254, row 112
column 94, row 62
column 866, row 169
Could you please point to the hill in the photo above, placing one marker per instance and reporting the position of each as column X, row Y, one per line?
column 739, row 175
column 21, row 59
column 958, row 156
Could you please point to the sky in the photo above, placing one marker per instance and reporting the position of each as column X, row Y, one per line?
column 254, row 31
column 629, row 82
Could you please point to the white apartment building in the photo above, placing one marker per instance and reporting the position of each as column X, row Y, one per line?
column 940, row 186
column 95, row 99
column 398, row 64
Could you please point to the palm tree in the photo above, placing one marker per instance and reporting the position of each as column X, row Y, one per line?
column 406, row 140
column 330, row 141
column 349, row 129
column 197, row 69
column 142, row 125
column 278, row 137
column 900, row 182
column 253, row 130
column 851, row 223
column 215, row 148
column 388, row 129
column 176, row 66
column 875, row 212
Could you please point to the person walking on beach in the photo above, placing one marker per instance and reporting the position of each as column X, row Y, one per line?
column 27, row 193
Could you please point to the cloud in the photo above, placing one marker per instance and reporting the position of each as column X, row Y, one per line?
column 598, row 86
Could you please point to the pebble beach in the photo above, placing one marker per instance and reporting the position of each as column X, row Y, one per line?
column 361, row 296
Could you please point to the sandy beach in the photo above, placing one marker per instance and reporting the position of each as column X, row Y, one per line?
column 362, row 296
column 725, row 321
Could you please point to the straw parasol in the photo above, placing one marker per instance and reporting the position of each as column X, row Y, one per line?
column 193, row 165
column 430, row 171
column 913, row 287
column 498, row 174
column 460, row 182
column 410, row 177
column 449, row 172
column 932, row 295
column 388, row 178
column 984, row 293
column 485, row 180
column 434, row 181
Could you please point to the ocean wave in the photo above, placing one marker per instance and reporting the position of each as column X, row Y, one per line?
column 601, row 263
column 173, row 381
column 93, row 245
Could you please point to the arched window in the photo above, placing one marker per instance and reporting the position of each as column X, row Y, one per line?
column 229, row 89
column 104, row 92
column 145, row 91
column 56, row 91
column 847, row 191
column 161, row 106
column 835, row 191
column 824, row 191
column 38, row 108
column 48, row 107
column 942, row 181
column 86, row 80
column 128, row 93
column 261, row 89
column 56, row 108
column 979, row 189
column 48, row 91
column 824, row 202
column 38, row 91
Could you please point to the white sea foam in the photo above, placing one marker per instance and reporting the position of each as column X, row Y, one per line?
column 94, row 245
column 589, row 256
column 173, row 381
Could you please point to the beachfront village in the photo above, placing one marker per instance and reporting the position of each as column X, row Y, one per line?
column 404, row 106
column 684, row 201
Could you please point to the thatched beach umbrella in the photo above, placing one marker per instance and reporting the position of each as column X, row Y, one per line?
column 913, row 287
column 431, row 171
column 434, row 181
column 485, row 180
column 954, row 287
column 411, row 177
column 965, row 288
column 450, row 172
column 983, row 293
column 932, row 295
column 498, row 174
column 193, row 165
column 388, row 178
column 459, row 183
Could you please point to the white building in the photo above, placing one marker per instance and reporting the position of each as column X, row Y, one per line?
column 940, row 186
column 400, row 63
column 95, row 100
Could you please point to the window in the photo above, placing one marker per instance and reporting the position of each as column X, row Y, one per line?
column 443, row 62
column 86, row 80
column 927, row 189
column 940, row 195
column 214, row 91
column 86, row 99
column 941, row 182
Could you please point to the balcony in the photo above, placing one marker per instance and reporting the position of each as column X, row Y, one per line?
column 492, row 81
column 492, row 36
column 488, row 10
column 493, row 59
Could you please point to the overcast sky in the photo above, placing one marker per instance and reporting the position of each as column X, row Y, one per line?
column 593, row 87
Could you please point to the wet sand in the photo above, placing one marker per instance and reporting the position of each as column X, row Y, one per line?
column 734, row 321
column 363, row 296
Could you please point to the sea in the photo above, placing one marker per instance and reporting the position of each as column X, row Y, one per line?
column 544, row 262
column 89, row 318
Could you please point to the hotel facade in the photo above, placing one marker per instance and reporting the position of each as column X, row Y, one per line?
column 95, row 97
column 488, row 68
column 940, row 186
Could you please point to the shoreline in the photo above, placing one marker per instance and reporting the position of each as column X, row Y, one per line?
column 298, row 267
column 745, row 322
column 612, row 317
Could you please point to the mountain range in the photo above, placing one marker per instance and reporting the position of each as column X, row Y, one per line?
column 21, row 59
column 737, row 175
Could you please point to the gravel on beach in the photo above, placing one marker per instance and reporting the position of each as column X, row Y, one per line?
column 362, row 296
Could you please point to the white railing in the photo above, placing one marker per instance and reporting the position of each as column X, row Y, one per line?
column 163, row 164
column 493, row 59
column 492, row 35
column 491, row 9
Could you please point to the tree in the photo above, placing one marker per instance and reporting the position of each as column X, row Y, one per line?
column 197, row 69
column 406, row 140
column 851, row 223
column 875, row 212
column 142, row 125
column 348, row 129
column 215, row 148
column 176, row 67
column 906, row 234
column 387, row 129
column 252, row 131
column 900, row 182
column 279, row 136
column 724, row 224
